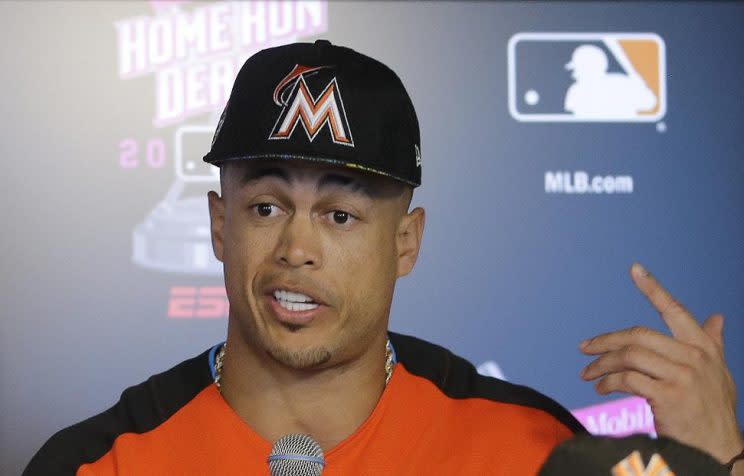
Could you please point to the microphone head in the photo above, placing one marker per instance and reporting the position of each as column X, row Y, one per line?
column 296, row 455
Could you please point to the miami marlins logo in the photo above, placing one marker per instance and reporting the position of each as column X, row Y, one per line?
column 299, row 106
column 632, row 465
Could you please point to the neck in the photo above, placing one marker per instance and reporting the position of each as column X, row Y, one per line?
column 329, row 404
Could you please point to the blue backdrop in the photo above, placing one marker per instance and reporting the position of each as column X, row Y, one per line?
column 109, row 107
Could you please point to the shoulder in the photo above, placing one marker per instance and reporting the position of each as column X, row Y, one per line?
column 457, row 378
column 140, row 409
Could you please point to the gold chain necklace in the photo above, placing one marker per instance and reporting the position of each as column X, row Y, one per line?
column 221, row 357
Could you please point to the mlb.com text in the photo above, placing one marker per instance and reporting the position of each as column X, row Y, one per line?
column 580, row 182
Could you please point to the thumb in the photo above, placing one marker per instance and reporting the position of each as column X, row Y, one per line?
column 713, row 326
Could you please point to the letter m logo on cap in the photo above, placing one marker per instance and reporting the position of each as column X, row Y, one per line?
column 299, row 105
column 632, row 465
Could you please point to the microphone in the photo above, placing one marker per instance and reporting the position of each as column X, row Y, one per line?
column 296, row 455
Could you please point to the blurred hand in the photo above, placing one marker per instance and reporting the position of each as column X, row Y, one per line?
column 684, row 378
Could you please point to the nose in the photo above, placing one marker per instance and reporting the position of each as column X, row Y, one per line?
column 299, row 244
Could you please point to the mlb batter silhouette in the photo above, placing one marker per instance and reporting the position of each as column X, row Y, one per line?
column 597, row 94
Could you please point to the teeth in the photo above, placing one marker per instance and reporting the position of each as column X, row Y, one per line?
column 282, row 295
column 297, row 306
column 294, row 301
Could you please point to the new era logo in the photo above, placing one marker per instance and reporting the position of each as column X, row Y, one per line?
column 632, row 465
column 587, row 77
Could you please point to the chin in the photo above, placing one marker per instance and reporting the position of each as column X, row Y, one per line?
column 300, row 357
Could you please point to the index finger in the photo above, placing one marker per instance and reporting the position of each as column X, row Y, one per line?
column 679, row 320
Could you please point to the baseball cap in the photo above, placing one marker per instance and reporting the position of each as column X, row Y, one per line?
column 322, row 103
column 636, row 455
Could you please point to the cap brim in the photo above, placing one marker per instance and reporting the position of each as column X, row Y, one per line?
column 309, row 158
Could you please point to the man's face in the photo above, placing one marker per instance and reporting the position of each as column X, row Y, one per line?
column 311, row 254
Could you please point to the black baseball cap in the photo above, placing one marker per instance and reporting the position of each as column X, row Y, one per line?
column 587, row 455
column 322, row 103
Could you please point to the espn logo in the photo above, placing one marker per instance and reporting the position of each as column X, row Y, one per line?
column 587, row 77
column 191, row 302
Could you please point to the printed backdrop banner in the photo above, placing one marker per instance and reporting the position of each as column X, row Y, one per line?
column 560, row 143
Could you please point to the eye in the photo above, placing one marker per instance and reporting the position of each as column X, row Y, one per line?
column 266, row 209
column 340, row 217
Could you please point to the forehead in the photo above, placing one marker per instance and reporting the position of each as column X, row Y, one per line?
column 295, row 172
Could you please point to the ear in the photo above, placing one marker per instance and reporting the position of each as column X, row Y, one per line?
column 217, row 221
column 408, row 239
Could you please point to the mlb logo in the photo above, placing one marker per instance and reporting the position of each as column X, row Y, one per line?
column 587, row 77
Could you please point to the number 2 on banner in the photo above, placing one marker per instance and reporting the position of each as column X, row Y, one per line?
column 129, row 153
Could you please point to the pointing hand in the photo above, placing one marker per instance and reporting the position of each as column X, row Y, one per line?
column 684, row 378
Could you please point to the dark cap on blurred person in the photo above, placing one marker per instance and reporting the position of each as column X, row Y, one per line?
column 637, row 455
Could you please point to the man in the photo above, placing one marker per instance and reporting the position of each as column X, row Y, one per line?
column 319, row 152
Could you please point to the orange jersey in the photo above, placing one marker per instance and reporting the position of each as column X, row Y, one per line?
column 436, row 416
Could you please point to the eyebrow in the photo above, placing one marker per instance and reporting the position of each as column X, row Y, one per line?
column 344, row 181
column 327, row 180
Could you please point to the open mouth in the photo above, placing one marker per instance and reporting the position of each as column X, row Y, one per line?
column 294, row 302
